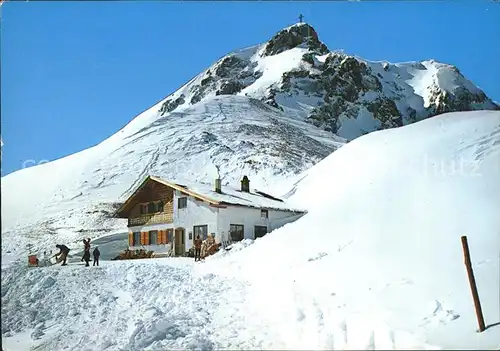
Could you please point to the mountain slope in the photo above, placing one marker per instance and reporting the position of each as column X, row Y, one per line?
column 269, row 111
column 74, row 196
column 379, row 249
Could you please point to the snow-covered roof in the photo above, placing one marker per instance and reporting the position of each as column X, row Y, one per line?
column 230, row 195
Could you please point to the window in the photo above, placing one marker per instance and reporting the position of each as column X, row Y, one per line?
column 264, row 214
column 260, row 231
column 170, row 235
column 136, row 239
column 201, row 230
column 182, row 202
column 141, row 209
column 160, row 206
column 153, row 236
column 151, row 207
column 236, row 232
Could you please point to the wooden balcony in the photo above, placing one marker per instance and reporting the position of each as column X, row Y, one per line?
column 152, row 218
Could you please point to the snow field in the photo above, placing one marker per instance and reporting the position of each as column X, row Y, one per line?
column 375, row 264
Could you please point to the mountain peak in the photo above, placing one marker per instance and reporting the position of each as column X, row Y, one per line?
column 298, row 35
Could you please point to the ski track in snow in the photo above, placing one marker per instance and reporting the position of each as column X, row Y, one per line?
column 143, row 174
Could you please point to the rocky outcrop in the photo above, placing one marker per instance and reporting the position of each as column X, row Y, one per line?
column 298, row 35
column 385, row 111
column 328, row 88
column 460, row 100
column 171, row 104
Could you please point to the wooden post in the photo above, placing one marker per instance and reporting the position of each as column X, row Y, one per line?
column 473, row 287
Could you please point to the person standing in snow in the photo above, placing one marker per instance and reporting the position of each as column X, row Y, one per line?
column 96, row 254
column 197, row 248
column 63, row 253
column 86, row 252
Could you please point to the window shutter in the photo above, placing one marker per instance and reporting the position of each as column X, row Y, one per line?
column 143, row 238
column 159, row 237
column 146, row 238
column 163, row 236
column 130, row 239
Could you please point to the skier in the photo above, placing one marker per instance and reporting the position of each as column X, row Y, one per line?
column 96, row 254
column 197, row 248
column 86, row 252
column 63, row 252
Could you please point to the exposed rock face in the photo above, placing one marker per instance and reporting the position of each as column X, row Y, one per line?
column 228, row 76
column 297, row 74
column 461, row 100
column 170, row 105
column 298, row 35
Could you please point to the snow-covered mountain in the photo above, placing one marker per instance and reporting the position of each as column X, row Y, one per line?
column 376, row 263
column 295, row 72
column 270, row 111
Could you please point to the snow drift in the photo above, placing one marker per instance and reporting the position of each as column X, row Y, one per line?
column 382, row 238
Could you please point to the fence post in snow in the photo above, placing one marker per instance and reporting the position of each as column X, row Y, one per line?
column 472, row 282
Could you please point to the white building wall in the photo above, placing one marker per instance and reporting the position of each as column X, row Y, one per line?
column 218, row 221
column 249, row 218
column 196, row 213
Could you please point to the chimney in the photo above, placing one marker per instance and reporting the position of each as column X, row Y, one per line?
column 245, row 184
column 218, row 187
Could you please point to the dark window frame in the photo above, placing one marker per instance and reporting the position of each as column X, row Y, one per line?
column 234, row 232
column 136, row 235
column 153, row 234
column 264, row 213
column 204, row 233
column 182, row 202
column 151, row 207
column 255, row 231
column 160, row 206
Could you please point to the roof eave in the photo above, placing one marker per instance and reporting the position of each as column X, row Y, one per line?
column 186, row 190
column 225, row 203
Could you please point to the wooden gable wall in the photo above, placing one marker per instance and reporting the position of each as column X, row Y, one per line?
column 151, row 191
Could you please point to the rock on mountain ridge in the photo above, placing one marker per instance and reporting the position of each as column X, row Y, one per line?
column 295, row 72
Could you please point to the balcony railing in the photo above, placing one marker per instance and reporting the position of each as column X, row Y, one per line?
column 152, row 218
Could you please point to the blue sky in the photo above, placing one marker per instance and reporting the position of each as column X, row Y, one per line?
column 74, row 73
